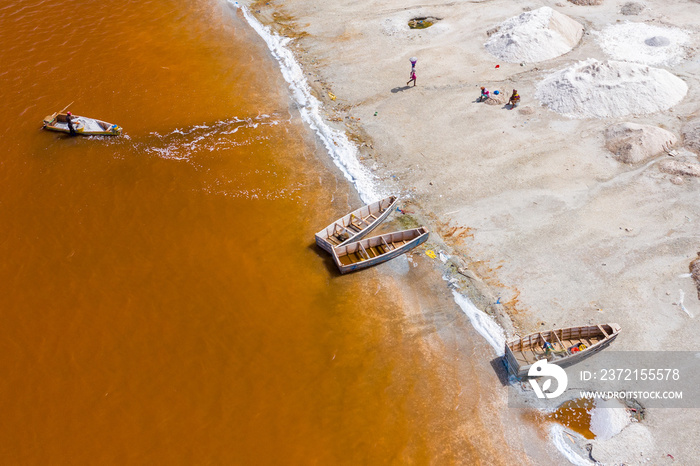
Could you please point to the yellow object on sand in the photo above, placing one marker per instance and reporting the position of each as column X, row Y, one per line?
column 430, row 253
column 331, row 95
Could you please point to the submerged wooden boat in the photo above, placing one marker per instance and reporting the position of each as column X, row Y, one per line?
column 377, row 249
column 563, row 346
column 355, row 225
column 83, row 125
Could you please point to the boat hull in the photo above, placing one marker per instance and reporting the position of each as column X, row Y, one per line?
column 409, row 238
column 327, row 239
column 84, row 126
column 522, row 353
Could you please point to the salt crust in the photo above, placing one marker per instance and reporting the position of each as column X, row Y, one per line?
column 634, row 445
column 691, row 135
column 677, row 167
column 695, row 272
column 534, row 36
column 644, row 43
column 594, row 89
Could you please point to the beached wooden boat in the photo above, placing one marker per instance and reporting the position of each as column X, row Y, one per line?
column 83, row 125
column 355, row 225
column 377, row 249
column 563, row 346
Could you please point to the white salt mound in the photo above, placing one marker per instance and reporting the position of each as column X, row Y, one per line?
column 593, row 89
column 644, row 43
column 633, row 143
column 534, row 36
column 608, row 418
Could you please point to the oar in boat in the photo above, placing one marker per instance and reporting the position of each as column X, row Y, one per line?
column 66, row 107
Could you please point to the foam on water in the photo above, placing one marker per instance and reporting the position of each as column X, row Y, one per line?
column 483, row 323
column 224, row 189
column 181, row 143
column 342, row 151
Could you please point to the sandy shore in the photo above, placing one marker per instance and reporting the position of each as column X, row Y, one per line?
column 530, row 204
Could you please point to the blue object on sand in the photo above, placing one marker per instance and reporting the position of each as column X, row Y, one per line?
column 496, row 92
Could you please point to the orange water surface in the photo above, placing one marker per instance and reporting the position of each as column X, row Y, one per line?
column 162, row 301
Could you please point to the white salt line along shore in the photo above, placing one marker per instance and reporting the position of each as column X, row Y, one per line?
column 343, row 152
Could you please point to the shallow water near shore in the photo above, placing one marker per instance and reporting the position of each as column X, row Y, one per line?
column 161, row 295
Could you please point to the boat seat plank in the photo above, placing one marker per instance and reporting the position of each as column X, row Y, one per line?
column 334, row 240
column 386, row 247
column 561, row 345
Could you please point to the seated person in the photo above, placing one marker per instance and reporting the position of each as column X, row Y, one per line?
column 514, row 99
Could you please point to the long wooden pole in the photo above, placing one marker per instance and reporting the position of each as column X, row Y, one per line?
column 66, row 107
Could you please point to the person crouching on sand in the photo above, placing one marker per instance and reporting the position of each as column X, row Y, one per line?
column 484, row 94
column 514, row 99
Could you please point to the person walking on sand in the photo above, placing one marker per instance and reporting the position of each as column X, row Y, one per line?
column 484, row 94
column 412, row 76
column 514, row 99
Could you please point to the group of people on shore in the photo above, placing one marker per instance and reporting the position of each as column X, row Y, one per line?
column 485, row 94
column 513, row 101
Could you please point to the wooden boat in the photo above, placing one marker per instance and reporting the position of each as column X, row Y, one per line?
column 377, row 249
column 355, row 225
column 564, row 346
column 83, row 125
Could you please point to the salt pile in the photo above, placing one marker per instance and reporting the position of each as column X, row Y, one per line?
column 644, row 43
column 608, row 418
column 593, row 89
column 632, row 8
column 633, row 143
column 534, row 36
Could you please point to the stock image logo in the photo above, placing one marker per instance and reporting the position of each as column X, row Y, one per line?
column 655, row 379
column 544, row 369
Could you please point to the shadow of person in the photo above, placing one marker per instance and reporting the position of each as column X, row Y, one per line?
column 400, row 89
